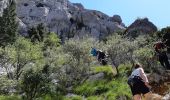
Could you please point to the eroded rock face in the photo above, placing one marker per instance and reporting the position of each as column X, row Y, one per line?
column 3, row 5
column 116, row 18
column 63, row 18
column 140, row 27
column 160, row 82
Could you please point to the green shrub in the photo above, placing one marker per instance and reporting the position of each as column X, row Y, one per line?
column 5, row 97
column 119, row 88
column 92, row 88
column 35, row 84
column 108, row 71
column 105, row 89
column 144, row 56
column 74, row 98
column 125, row 69
column 95, row 98
column 6, row 85
column 51, row 97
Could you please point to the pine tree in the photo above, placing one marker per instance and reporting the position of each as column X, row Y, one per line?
column 8, row 24
column 38, row 33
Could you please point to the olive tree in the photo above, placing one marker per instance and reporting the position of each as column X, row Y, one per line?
column 120, row 50
column 18, row 55
column 78, row 60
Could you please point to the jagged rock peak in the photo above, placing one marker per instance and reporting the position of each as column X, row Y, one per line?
column 116, row 18
column 141, row 26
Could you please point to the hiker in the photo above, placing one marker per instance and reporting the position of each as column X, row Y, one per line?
column 138, row 83
column 161, row 53
column 101, row 57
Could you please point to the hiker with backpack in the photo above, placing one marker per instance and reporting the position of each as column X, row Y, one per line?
column 101, row 57
column 138, row 83
column 161, row 53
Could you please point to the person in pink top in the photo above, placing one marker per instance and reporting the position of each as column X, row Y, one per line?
column 140, row 85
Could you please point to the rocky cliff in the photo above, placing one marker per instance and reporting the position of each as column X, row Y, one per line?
column 66, row 18
column 3, row 5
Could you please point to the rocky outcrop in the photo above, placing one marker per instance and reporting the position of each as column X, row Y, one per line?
column 140, row 27
column 65, row 18
column 3, row 5
column 98, row 76
column 166, row 97
column 116, row 18
column 160, row 82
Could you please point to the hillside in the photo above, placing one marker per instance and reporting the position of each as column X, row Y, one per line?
column 49, row 56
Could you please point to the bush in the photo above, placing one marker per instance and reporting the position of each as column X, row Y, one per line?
column 4, row 97
column 110, row 90
column 77, row 64
column 108, row 71
column 120, row 50
column 95, row 98
column 73, row 98
column 35, row 84
column 92, row 88
column 144, row 56
column 119, row 88
column 51, row 97
column 7, row 86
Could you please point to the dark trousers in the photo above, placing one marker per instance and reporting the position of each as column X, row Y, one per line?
column 163, row 59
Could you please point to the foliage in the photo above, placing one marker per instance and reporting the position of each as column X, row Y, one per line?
column 78, row 62
column 108, row 71
column 120, row 50
column 3, row 97
column 164, row 35
column 35, row 84
column 73, row 98
column 119, row 89
column 110, row 90
column 51, row 40
column 95, row 98
column 19, row 55
column 8, row 26
column 47, row 70
column 49, row 97
column 145, row 56
column 125, row 69
column 7, row 85
column 92, row 88
column 37, row 34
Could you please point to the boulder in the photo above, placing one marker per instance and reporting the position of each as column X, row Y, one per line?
column 98, row 76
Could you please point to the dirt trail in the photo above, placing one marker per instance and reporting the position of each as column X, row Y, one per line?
column 163, row 88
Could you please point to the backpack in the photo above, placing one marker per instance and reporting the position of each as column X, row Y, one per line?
column 94, row 52
column 130, row 81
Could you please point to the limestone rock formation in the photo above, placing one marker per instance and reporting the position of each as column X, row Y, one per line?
column 116, row 18
column 140, row 27
column 3, row 5
column 65, row 18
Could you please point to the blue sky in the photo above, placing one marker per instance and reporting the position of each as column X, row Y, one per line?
column 158, row 11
